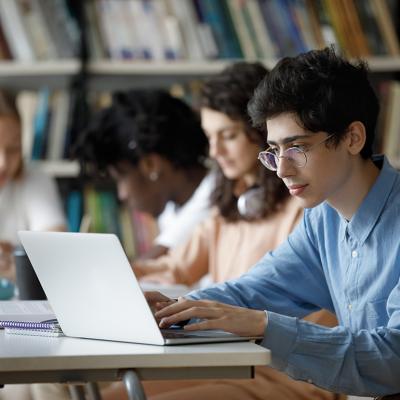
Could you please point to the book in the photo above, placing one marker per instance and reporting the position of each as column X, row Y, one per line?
column 26, row 310
column 247, row 44
column 27, row 103
column 58, row 124
column 185, row 13
column 36, row 29
column 216, row 14
column 370, row 27
column 74, row 208
column 15, row 32
column 265, row 46
column 386, row 26
column 40, row 123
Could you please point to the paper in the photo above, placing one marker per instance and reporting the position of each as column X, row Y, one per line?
column 25, row 310
column 171, row 291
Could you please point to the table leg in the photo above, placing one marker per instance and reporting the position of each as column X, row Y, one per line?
column 133, row 385
column 77, row 392
column 92, row 389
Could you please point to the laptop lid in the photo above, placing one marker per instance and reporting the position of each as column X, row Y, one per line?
column 93, row 291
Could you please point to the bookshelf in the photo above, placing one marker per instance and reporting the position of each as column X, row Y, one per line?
column 180, row 41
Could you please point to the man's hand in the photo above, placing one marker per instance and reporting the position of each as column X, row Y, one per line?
column 213, row 315
column 157, row 301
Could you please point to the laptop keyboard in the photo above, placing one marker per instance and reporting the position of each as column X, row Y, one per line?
column 180, row 334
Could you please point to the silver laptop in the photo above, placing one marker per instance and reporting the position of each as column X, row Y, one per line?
column 94, row 293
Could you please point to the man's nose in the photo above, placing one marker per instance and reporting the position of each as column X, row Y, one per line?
column 285, row 167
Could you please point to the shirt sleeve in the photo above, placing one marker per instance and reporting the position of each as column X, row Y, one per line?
column 282, row 281
column 43, row 206
column 289, row 283
column 182, row 224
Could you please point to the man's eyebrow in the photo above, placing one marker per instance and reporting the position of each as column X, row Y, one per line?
column 288, row 139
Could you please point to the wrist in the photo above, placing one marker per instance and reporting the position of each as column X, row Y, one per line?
column 262, row 323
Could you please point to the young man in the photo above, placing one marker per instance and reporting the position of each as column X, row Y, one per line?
column 320, row 113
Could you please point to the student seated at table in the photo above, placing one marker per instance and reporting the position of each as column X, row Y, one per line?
column 234, row 237
column 320, row 112
column 153, row 145
column 28, row 198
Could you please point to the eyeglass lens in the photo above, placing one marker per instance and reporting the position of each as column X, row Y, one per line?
column 295, row 155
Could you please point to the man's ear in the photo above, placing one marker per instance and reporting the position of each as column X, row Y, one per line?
column 151, row 166
column 355, row 137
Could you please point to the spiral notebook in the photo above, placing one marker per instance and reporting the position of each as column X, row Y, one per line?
column 34, row 332
column 46, row 324
column 94, row 293
column 49, row 327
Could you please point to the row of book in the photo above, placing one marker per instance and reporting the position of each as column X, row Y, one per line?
column 196, row 29
column 33, row 30
column 52, row 121
column 99, row 211
column 389, row 123
column 250, row 29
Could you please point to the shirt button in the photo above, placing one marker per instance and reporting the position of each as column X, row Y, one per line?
column 349, row 306
column 354, row 253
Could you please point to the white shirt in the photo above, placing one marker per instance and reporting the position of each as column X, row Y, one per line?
column 177, row 223
column 31, row 202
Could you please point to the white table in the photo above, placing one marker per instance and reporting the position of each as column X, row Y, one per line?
column 31, row 359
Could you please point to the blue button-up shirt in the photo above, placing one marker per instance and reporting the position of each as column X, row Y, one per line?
column 349, row 267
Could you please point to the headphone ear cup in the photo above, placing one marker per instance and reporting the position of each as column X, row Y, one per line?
column 250, row 203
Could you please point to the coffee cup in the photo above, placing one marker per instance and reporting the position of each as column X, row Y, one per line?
column 28, row 285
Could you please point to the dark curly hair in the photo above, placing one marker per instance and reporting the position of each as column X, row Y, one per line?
column 325, row 92
column 229, row 92
column 140, row 122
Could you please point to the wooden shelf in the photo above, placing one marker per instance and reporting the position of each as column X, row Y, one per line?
column 55, row 74
column 208, row 67
column 39, row 68
column 11, row 69
column 31, row 76
column 59, row 169
column 384, row 64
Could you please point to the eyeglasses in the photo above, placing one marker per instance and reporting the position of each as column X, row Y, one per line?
column 296, row 155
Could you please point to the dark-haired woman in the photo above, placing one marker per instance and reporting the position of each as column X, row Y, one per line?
column 153, row 145
column 253, row 213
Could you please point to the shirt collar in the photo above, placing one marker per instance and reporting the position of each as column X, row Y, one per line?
column 364, row 220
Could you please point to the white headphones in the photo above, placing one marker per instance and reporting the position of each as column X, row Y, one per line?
column 250, row 203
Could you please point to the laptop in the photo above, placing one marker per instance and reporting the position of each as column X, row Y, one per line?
column 94, row 293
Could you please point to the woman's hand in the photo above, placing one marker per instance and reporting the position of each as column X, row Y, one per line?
column 7, row 269
column 213, row 315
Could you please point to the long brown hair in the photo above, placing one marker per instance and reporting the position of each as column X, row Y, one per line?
column 229, row 92
column 8, row 109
